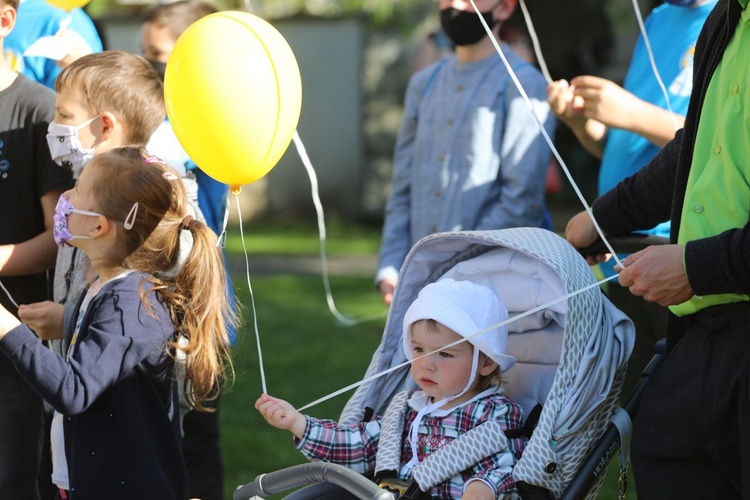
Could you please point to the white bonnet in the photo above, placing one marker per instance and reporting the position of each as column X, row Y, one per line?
column 466, row 308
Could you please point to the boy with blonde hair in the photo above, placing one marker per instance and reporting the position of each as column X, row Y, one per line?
column 30, row 184
column 104, row 101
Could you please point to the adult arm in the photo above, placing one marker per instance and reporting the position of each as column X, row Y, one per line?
column 644, row 199
column 721, row 263
column 524, row 157
column 36, row 254
column 614, row 107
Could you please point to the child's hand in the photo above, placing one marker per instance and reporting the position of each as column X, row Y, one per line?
column 478, row 490
column 45, row 318
column 281, row 414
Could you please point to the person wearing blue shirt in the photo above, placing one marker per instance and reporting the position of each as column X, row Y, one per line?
column 469, row 154
column 38, row 18
column 626, row 126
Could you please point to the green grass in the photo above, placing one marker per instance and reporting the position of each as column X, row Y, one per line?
column 301, row 236
column 306, row 354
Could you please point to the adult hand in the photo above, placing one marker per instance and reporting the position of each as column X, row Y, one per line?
column 387, row 287
column 657, row 274
column 607, row 102
column 581, row 233
column 45, row 318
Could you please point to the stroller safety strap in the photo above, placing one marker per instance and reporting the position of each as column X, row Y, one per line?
column 480, row 442
column 391, row 430
column 624, row 425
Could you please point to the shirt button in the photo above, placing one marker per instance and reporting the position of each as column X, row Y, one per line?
column 717, row 149
column 736, row 89
column 449, row 122
column 433, row 229
column 437, row 192
column 441, row 157
column 698, row 209
column 459, row 88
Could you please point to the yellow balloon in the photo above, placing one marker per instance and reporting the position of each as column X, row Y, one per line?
column 233, row 95
column 68, row 4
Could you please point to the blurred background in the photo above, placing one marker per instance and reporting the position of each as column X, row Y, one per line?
column 355, row 58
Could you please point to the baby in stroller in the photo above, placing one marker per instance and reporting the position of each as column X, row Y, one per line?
column 570, row 344
column 459, row 391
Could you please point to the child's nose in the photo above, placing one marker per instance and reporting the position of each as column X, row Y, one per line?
column 429, row 362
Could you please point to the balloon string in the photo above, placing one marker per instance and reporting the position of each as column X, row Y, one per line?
column 221, row 241
column 252, row 297
column 344, row 320
column 10, row 297
column 546, row 136
column 535, row 42
column 462, row 339
column 651, row 59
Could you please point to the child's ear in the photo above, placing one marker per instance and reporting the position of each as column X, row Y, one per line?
column 504, row 10
column 7, row 20
column 109, row 124
column 101, row 229
column 486, row 365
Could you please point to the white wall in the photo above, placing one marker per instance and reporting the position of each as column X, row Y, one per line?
column 329, row 54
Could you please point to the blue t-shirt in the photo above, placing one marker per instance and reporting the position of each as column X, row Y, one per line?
column 672, row 32
column 38, row 18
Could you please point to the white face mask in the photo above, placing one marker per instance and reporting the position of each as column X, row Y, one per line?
column 65, row 147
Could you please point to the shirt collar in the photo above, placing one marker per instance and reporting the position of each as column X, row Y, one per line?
column 420, row 399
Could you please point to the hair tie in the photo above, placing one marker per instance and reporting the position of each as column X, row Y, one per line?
column 186, row 222
column 169, row 176
column 153, row 159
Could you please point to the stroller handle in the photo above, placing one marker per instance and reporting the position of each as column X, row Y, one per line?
column 315, row 472
column 628, row 243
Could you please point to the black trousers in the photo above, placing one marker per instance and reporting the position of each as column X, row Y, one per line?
column 691, row 438
column 201, row 449
column 650, row 321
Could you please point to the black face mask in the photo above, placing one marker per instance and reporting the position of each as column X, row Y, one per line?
column 159, row 67
column 464, row 28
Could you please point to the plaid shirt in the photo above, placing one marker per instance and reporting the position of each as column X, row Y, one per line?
column 355, row 446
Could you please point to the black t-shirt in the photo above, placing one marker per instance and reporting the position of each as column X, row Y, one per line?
column 26, row 174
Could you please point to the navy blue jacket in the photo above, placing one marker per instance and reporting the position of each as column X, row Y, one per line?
column 117, row 394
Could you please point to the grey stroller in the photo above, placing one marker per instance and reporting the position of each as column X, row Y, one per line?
column 571, row 345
